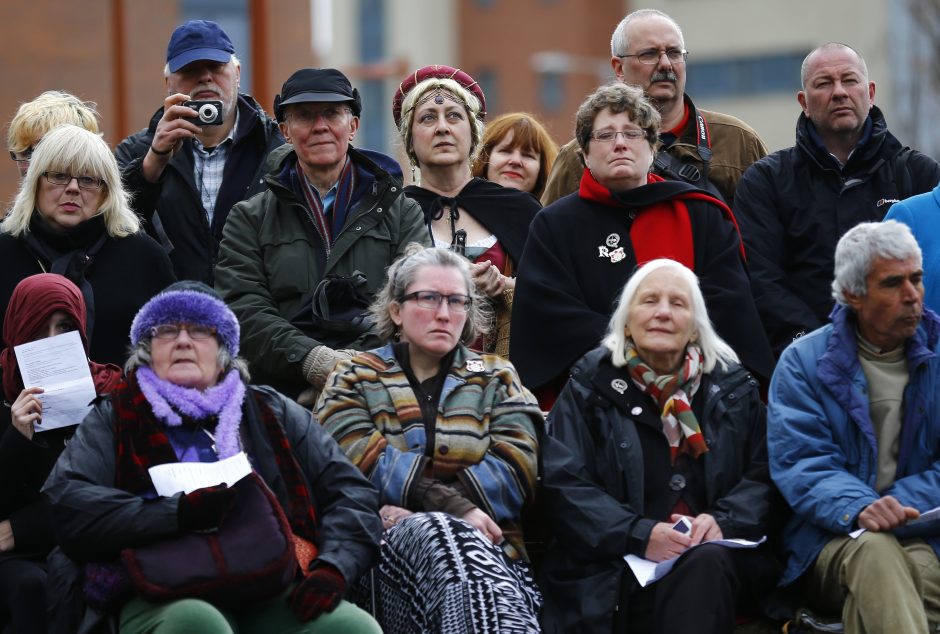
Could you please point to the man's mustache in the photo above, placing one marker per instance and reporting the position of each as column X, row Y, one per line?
column 664, row 76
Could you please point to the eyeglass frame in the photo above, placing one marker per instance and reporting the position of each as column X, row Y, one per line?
column 211, row 331
column 97, row 185
column 628, row 135
column 319, row 112
column 683, row 56
column 29, row 156
column 464, row 308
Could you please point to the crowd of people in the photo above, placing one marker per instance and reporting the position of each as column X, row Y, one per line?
column 473, row 403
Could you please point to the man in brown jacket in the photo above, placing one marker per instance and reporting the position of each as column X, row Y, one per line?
column 708, row 149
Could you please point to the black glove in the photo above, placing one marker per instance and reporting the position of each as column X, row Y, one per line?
column 317, row 593
column 204, row 509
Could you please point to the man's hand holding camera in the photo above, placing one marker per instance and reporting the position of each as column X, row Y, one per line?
column 176, row 125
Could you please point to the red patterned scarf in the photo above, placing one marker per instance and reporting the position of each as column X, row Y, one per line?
column 673, row 393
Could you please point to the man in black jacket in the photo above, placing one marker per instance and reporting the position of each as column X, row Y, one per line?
column 795, row 204
column 185, row 176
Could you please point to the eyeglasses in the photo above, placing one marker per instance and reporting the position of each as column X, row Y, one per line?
column 608, row 136
column 85, row 182
column 432, row 300
column 652, row 56
column 172, row 331
column 24, row 157
column 333, row 115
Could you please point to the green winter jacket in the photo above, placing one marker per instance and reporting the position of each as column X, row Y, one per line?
column 268, row 260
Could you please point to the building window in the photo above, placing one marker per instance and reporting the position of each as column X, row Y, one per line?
column 373, row 133
column 489, row 84
column 551, row 91
column 740, row 76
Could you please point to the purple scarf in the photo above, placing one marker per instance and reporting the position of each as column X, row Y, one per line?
column 223, row 400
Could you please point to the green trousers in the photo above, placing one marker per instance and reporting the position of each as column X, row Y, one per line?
column 879, row 585
column 187, row 616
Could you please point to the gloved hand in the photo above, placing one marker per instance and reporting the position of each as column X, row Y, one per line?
column 204, row 509
column 320, row 361
column 317, row 593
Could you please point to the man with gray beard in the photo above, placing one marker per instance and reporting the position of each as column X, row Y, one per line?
column 186, row 170
column 707, row 149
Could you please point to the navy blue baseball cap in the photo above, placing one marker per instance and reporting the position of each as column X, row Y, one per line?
column 198, row 40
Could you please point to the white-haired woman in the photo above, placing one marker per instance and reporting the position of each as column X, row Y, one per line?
column 659, row 423
column 71, row 217
column 439, row 112
column 449, row 438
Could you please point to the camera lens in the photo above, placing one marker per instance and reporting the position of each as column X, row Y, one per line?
column 208, row 113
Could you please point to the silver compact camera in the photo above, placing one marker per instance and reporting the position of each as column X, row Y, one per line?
column 209, row 112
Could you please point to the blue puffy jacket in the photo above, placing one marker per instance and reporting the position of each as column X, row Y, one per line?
column 821, row 442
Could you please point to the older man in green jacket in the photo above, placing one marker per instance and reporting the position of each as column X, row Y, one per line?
column 330, row 211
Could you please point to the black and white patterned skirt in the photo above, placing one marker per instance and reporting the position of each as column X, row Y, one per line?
column 438, row 574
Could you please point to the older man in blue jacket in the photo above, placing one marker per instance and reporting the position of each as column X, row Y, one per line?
column 853, row 433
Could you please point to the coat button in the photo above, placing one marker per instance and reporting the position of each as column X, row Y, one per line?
column 394, row 189
column 444, row 449
column 677, row 482
column 359, row 228
column 379, row 210
column 731, row 396
column 292, row 356
column 636, row 411
column 623, row 445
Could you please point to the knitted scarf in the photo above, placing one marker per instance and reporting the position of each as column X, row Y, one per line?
column 223, row 400
column 141, row 443
column 673, row 393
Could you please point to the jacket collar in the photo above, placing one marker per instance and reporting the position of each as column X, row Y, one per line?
column 466, row 363
column 867, row 150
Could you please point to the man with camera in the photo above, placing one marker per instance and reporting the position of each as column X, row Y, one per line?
column 203, row 151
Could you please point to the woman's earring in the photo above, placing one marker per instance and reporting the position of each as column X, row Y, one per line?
column 414, row 178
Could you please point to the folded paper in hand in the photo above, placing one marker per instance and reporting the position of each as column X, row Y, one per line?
column 173, row 477
column 647, row 571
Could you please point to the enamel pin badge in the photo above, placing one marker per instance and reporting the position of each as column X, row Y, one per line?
column 475, row 365
column 611, row 249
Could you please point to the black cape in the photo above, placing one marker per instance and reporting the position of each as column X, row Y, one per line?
column 506, row 212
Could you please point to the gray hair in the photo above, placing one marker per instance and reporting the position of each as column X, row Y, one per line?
column 402, row 273
column 234, row 60
column 617, row 98
column 74, row 150
column 620, row 44
column 141, row 355
column 804, row 68
column 861, row 246
column 410, row 103
column 714, row 348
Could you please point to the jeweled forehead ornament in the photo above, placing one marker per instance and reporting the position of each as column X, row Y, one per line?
column 439, row 95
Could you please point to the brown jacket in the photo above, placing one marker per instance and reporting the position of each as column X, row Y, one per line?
column 735, row 145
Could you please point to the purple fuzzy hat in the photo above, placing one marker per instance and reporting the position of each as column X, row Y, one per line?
column 187, row 303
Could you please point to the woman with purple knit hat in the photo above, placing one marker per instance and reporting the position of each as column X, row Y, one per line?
column 186, row 399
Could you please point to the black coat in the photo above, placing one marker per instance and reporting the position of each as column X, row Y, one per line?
column 24, row 465
column 566, row 293
column 94, row 521
column 593, row 483
column 795, row 204
column 172, row 208
column 124, row 274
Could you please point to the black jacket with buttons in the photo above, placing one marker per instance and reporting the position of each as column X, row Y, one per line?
column 172, row 207
column 593, row 472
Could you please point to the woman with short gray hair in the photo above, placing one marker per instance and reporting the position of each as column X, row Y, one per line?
column 582, row 248
column 449, row 438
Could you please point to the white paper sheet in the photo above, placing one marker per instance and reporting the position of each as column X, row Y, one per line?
column 647, row 572
column 59, row 366
column 173, row 477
